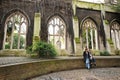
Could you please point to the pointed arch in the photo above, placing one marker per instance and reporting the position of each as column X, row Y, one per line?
column 16, row 25
column 57, row 31
column 89, row 33
column 115, row 33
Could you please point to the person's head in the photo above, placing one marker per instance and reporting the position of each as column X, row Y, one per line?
column 86, row 49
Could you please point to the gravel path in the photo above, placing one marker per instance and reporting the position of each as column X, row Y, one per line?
column 83, row 74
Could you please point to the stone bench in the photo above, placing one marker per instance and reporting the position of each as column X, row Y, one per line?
column 21, row 71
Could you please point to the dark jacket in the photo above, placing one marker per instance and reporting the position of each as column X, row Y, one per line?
column 85, row 55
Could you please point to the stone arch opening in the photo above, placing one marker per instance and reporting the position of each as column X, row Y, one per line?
column 57, row 32
column 89, row 34
column 115, row 33
column 16, row 25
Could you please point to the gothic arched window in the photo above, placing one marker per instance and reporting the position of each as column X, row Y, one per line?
column 115, row 34
column 15, row 31
column 57, row 32
column 89, row 34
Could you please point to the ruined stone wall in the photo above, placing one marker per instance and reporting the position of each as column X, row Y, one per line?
column 95, row 15
column 10, row 6
column 48, row 9
column 112, row 16
column 63, row 9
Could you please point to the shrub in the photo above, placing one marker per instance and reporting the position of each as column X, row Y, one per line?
column 7, row 46
column 104, row 53
column 43, row 49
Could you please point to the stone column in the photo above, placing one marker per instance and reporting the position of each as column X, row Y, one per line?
column 96, row 40
column 37, row 27
column 91, row 33
column 107, row 34
column 75, row 27
column 87, row 38
column 76, row 35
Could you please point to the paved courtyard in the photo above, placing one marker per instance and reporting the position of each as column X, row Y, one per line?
column 83, row 74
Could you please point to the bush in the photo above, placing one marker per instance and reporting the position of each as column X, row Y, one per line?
column 104, row 53
column 43, row 49
column 7, row 46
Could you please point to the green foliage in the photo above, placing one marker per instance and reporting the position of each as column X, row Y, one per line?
column 43, row 49
column 117, row 52
column 110, row 41
column 15, row 53
column 77, row 40
column 104, row 53
column 95, row 52
column 7, row 46
column 15, row 42
column 106, row 21
column 29, row 50
column 36, row 38
column 117, row 6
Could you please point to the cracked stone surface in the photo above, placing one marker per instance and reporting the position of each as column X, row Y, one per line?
column 83, row 74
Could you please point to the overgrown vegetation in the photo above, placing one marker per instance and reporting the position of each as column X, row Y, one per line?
column 104, row 53
column 77, row 40
column 110, row 41
column 15, row 42
column 117, row 52
column 117, row 6
column 43, row 49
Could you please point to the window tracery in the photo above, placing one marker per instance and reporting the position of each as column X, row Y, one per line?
column 57, row 32
column 115, row 34
column 89, row 34
column 15, row 31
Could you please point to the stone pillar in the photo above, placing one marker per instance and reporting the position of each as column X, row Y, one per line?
column 75, row 27
column 37, row 27
column 92, row 38
column 87, row 38
column 76, row 36
column 96, row 40
column 107, row 34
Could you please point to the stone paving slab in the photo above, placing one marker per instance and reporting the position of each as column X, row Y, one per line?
column 83, row 74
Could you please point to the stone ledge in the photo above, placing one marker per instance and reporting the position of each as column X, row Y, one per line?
column 27, row 70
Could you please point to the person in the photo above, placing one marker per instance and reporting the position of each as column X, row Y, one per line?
column 86, row 56
column 92, row 59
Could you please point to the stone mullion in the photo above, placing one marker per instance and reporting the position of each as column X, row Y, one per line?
column 54, row 31
column 26, row 34
column 96, row 40
column 119, row 37
column 115, row 39
column 87, row 38
column 12, row 35
column 18, row 46
column 92, row 38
